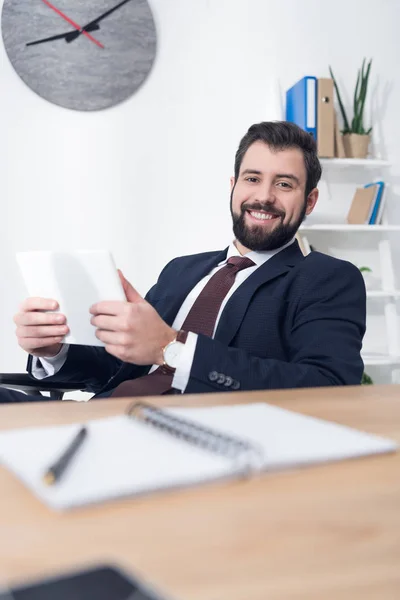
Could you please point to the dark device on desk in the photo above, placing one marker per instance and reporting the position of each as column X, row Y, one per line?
column 98, row 583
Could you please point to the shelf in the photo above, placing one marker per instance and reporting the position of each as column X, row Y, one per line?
column 383, row 294
column 354, row 162
column 344, row 227
column 371, row 359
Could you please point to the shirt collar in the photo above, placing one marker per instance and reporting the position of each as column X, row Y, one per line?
column 258, row 258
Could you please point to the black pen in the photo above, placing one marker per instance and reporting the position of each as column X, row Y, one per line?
column 55, row 471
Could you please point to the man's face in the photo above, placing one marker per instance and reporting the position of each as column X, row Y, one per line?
column 268, row 201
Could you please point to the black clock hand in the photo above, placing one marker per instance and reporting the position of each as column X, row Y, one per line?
column 74, row 34
column 93, row 27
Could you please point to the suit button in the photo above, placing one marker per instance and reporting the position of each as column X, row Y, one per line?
column 235, row 385
column 228, row 381
column 213, row 376
column 221, row 379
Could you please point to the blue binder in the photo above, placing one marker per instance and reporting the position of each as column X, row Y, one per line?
column 301, row 104
column 377, row 203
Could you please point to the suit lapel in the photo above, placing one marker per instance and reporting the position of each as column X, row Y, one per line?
column 169, row 305
column 237, row 305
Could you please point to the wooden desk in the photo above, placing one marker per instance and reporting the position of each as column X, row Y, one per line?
column 323, row 533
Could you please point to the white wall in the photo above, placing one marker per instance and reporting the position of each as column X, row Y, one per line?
column 149, row 178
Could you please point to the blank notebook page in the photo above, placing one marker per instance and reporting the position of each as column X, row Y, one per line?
column 122, row 456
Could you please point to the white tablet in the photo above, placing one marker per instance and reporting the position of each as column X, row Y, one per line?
column 77, row 280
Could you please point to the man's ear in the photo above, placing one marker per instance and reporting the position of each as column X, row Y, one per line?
column 233, row 181
column 312, row 200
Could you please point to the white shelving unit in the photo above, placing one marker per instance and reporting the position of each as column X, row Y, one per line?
column 375, row 359
column 383, row 293
column 354, row 162
column 364, row 245
column 350, row 228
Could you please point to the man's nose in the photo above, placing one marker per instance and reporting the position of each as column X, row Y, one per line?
column 266, row 192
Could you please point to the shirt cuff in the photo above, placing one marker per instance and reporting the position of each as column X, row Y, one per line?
column 46, row 367
column 182, row 373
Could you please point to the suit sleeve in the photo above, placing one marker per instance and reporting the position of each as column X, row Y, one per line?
column 323, row 345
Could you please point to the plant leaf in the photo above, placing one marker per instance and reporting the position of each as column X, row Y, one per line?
column 363, row 95
column 356, row 98
column 345, row 121
column 366, row 379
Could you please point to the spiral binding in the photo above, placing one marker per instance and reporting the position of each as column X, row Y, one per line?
column 198, row 435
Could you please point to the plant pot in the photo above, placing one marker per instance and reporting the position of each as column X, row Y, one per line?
column 355, row 145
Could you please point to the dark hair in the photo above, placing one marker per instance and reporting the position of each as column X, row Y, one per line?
column 279, row 135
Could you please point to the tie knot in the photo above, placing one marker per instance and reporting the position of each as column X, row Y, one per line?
column 240, row 262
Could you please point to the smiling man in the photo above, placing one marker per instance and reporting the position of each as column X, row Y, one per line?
column 257, row 315
column 270, row 193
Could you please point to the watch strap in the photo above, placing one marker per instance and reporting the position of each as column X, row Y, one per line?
column 181, row 336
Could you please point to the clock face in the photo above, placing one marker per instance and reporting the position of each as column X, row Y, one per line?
column 80, row 54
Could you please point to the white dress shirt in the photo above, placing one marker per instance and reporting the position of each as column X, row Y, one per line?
column 50, row 366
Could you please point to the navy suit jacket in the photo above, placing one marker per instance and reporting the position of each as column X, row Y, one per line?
column 294, row 322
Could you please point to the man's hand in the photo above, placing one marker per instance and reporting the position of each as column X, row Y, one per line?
column 132, row 331
column 40, row 333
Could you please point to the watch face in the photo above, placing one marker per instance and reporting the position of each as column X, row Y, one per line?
column 172, row 354
column 80, row 54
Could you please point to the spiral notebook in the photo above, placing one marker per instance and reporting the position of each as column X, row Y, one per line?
column 149, row 450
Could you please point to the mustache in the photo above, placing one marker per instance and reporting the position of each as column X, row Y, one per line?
column 267, row 207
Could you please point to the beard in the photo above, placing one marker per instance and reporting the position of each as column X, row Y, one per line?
column 256, row 237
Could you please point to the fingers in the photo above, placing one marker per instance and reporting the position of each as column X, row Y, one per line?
column 41, row 331
column 131, row 294
column 109, row 307
column 39, row 304
column 122, row 278
column 107, row 322
column 116, row 307
column 116, row 338
column 32, row 312
column 36, row 343
column 38, row 329
column 125, row 284
column 39, row 318
column 114, row 350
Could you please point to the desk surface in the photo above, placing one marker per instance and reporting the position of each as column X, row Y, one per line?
column 328, row 532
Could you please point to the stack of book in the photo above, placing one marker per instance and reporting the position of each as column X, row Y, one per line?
column 309, row 104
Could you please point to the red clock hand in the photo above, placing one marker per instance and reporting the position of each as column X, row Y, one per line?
column 71, row 22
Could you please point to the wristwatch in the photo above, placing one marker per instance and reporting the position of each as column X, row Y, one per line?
column 173, row 350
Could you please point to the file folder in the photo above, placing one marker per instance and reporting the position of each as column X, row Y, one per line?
column 373, row 219
column 325, row 118
column 301, row 104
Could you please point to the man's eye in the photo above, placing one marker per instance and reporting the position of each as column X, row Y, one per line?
column 252, row 179
column 285, row 184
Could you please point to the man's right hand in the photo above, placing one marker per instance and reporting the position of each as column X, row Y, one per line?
column 39, row 332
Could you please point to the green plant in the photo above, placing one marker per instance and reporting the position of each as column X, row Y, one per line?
column 365, row 270
column 360, row 93
column 366, row 379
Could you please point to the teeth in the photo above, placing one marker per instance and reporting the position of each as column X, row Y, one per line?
column 261, row 216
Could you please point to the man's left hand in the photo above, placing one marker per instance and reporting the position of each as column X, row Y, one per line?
column 132, row 331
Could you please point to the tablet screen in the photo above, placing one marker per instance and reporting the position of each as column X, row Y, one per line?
column 77, row 280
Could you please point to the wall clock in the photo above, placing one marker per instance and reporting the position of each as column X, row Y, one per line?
column 80, row 54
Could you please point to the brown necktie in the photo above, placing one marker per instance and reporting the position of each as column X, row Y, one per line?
column 200, row 319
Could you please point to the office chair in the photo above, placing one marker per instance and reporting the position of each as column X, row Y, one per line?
column 35, row 387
